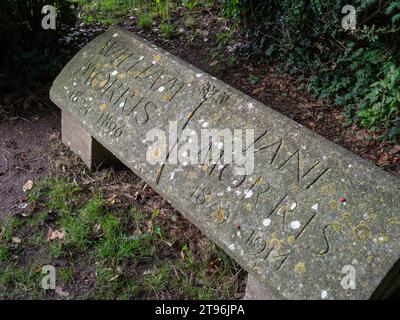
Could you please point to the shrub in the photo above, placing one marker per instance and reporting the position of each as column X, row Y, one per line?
column 351, row 67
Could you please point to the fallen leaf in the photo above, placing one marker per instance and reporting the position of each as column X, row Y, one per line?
column 28, row 186
column 114, row 278
column 383, row 159
column 97, row 227
column 52, row 235
column 259, row 90
column 23, row 205
column 112, row 199
column 16, row 240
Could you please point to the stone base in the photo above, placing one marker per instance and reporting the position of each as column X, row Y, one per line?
column 93, row 154
column 255, row 290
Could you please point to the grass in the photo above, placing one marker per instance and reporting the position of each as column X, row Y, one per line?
column 167, row 30
column 145, row 21
column 106, row 252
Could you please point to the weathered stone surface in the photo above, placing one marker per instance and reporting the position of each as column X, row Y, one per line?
column 256, row 290
column 93, row 154
column 293, row 230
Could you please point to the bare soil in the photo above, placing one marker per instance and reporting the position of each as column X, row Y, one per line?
column 25, row 138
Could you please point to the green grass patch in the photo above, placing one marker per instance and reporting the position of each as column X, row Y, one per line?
column 116, row 253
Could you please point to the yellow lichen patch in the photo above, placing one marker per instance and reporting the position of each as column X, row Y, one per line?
column 291, row 240
column 300, row 268
column 133, row 73
column 258, row 181
column 249, row 207
column 156, row 153
column 337, row 227
column 328, row 189
column 204, row 167
column 93, row 83
column 122, row 75
column 294, row 188
column 157, row 58
column 362, row 232
column 394, row 221
column 188, row 115
column 284, row 208
column 381, row 238
column 103, row 107
column 333, row 205
column 257, row 269
column 209, row 197
column 275, row 243
column 346, row 218
column 106, row 65
column 102, row 83
column 192, row 175
column 93, row 74
column 167, row 98
column 219, row 215
column 370, row 259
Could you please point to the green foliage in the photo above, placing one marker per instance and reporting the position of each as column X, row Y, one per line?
column 381, row 105
column 167, row 29
column 254, row 80
column 308, row 40
column 145, row 21
column 163, row 9
column 190, row 4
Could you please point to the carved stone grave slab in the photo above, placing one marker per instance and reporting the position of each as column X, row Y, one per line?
column 311, row 215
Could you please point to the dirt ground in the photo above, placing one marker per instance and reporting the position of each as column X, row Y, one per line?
column 25, row 138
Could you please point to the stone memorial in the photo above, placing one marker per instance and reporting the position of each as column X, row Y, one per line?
column 310, row 220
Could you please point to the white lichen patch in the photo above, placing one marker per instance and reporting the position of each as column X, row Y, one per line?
column 161, row 89
column 199, row 75
column 205, row 124
column 114, row 73
column 266, row 222
column 324, row 294
column 293, row 206
column 232, row 247
column 115, row 35
column 248, row 194
column 315, row 207
column 295, row 225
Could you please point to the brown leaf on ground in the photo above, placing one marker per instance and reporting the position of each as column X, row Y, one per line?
column 57, row 234
column 259, row 91
column 112, row 199
column 16, row 240
column 27, row 186
column 383, row 159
